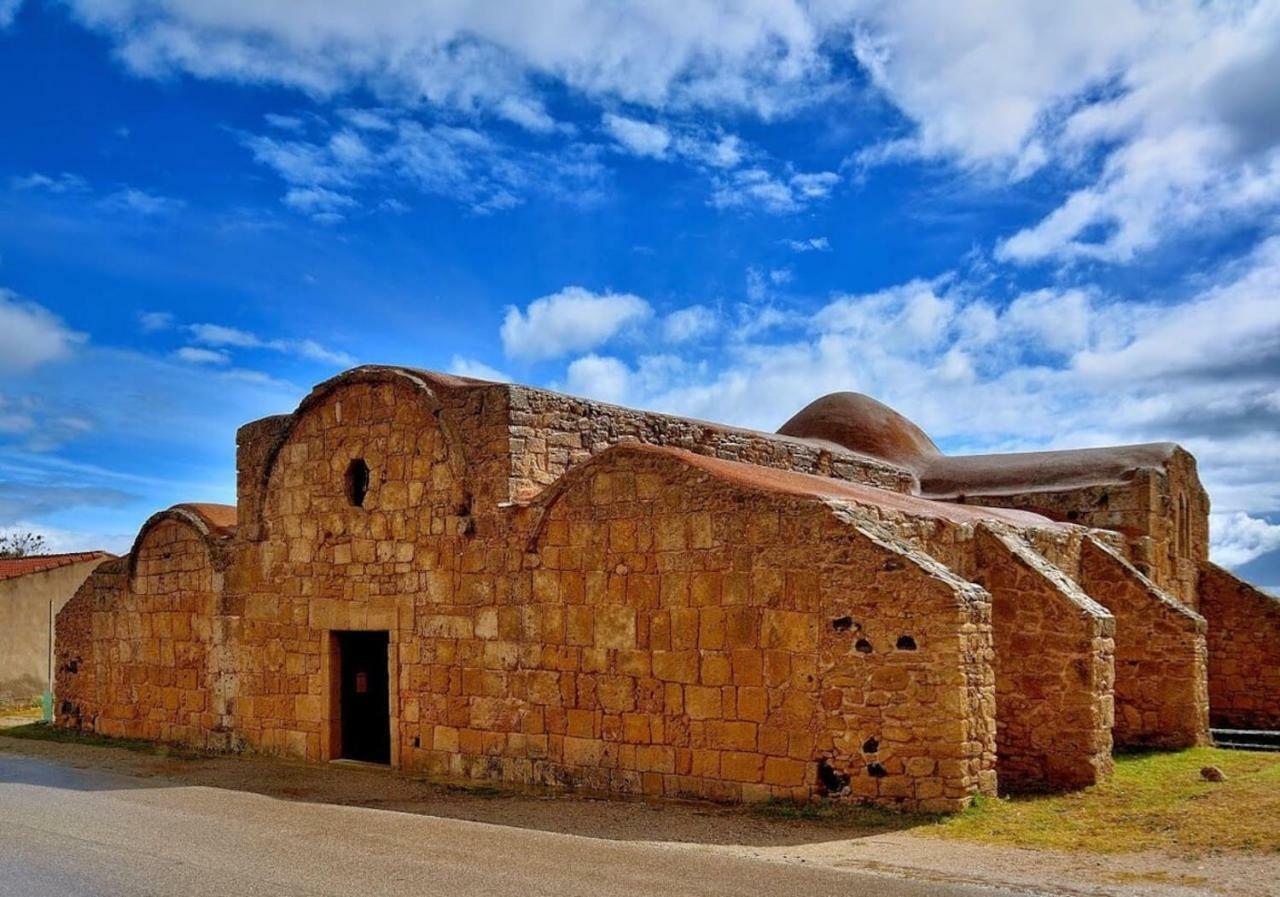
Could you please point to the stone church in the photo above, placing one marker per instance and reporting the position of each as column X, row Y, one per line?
column 485, row 580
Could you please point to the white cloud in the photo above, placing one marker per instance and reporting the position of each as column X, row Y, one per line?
column 31, row 335
column 368, row 119
column 756, row 187
column 687, row 324
column 61, row 183
column 321, row 204
column 603, row 378
column 639, row 137
column 1159, row 145
column 812, row 244
column 572, row 320
column 469, row 367
column 469, row 166
column 8, row 11
column 131, row 199
column 153, row 321
column 763, row 56
column 197, row 355
column 284, row 122
column 218, row 336
column 1236, row 539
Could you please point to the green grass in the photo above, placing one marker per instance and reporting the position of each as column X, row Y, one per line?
column 1154, row 801
column 45, row 732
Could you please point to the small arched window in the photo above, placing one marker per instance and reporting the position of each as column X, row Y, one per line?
column 357, row 482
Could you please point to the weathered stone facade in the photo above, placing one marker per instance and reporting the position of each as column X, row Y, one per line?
column 1244, row 651
column 575, row 594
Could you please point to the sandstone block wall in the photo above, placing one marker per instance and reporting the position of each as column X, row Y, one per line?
column 1162, row 515
column 140, row 638
column 1055, row 670
column 1244, row 651
column 76, row 672
column 552, row 432
column 765, row 645
column 1161, row 690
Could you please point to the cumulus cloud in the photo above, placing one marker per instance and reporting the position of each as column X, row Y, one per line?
column 639, row 137
column 764, row 56
column 603, row 378
column 1238, row 538
column 691, row 323
column 1160, row 144
column 572, row 320
column 31, row 335
column 469, row 367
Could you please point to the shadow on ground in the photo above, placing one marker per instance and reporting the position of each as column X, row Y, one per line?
column 138, row 764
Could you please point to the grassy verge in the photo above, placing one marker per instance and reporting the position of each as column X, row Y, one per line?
column 1155, row 801
column 45, row 732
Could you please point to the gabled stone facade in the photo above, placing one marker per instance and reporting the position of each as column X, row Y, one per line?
column 563, row 592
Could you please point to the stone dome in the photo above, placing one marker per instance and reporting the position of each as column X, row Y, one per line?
column 861, row 424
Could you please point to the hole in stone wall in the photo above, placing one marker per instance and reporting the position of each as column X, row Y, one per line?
column 357, row 482
column 870, row 746
column 832, row 782
column 842, row 624
column 876, row 771
column 906, row 643
column 862, row 646
column 417, row 741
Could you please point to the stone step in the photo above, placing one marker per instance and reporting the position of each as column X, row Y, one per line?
column 1246, row 739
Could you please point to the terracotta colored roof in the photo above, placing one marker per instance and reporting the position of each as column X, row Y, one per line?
column 861, row 424
column 221, row 519
column 951, row 477
column 772, row 479
column 11, row 568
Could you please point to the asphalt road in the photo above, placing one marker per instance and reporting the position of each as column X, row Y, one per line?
column 68, row 832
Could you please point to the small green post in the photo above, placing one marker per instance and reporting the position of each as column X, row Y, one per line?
column 46, row 706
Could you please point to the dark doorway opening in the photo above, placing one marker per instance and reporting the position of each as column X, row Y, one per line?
column 365, row 699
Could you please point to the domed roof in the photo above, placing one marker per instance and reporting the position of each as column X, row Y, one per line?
column 861, row 424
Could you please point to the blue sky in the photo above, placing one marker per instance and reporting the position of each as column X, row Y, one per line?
column 1023, row 227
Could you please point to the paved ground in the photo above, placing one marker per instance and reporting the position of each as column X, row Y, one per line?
column 71, row 832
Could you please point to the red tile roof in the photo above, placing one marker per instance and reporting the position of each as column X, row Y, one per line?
column 13, row 567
